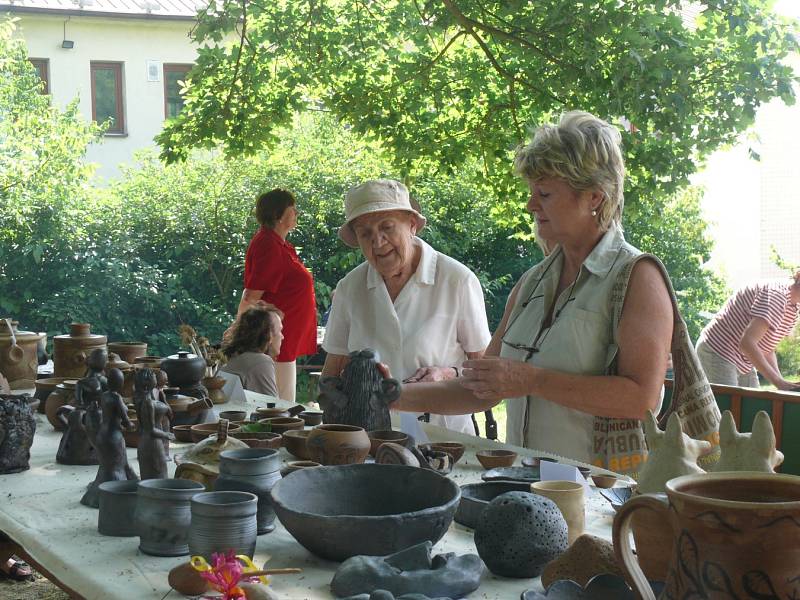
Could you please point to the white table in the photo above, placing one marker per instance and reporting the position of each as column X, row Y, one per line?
column 40, row 510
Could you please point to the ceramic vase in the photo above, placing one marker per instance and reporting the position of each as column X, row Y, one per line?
column 117, row 508
column 253, row 470
column 338, row 444
column 163, row 515
column 223, row 521
column 735, row 535
column 128, row 351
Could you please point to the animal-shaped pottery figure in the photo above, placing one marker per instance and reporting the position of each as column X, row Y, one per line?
column 360, row 396
column 748, row 451
column 671, row 453
column 151, row 453
column 108, row 442
column 75, row 447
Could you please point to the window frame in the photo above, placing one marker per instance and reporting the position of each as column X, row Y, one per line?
column 120, row 116
column 172, row 68
column 42, row 66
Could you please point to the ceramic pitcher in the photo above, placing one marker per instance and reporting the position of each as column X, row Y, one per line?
column 736, row 535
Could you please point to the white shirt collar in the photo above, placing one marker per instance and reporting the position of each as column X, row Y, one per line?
column 424, row 275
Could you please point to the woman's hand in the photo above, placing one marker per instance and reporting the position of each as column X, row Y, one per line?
column 498, row 378
column 432, row 374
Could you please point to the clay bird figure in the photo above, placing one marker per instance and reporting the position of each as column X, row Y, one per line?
column 671, row 453
column 747, row 451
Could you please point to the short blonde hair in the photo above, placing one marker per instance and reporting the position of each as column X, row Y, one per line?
column 584, row 151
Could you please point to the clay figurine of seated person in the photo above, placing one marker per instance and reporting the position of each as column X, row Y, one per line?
column 255, row 340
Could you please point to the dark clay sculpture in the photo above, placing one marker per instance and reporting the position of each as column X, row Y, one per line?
column 360, row 396
column 410, row 571
column 76, row 447
column 151, row 453
column 17, row 426
column 108, row 441
column 519, row 533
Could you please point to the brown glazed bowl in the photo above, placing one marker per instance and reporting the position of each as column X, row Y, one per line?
column 281, row 424
column 233, row 415
column 183, row 433
column 311, row 417
column 604, row 481
column 334, row 444
column 376, row 438
column 203, row 430
column 294, row 441
column 454, row 449
column 491, row 459
column 266, row 413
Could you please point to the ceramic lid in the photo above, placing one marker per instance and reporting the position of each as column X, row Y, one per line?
column 20, row 335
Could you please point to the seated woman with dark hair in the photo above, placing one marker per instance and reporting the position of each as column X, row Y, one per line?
column 256, row 339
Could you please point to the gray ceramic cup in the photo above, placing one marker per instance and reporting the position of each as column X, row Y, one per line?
column 223, row 521
column 163, row 515
column 254, row 470
column 117, row 508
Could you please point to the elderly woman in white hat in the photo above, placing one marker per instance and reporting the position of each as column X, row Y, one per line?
column 420, row 309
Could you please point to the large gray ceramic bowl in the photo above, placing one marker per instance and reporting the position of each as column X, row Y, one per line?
column 476, row 496
column 341, row 511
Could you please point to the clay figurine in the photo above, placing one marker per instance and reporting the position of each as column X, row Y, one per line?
column 96, row 365
column 76, row 447
column 360, row 396
column 152, row 455
column 671, row 453
column 17, row 426
column 410, row 571
column 748, row 451
column 108, row 442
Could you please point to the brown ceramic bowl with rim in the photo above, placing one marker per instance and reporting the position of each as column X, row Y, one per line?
column 233, row 415
column 183, row 433
column 294, row 441
column 454, row 449
column 491, row 459
column 266, row 413
column 273, row 442
column 281, row 424
column 603, row 481
column 203, row 430
column 378, row 437
column 311, row 417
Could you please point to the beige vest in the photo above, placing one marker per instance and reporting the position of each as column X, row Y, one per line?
column 579, row 341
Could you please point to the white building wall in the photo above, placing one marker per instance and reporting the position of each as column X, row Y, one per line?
column 127, row 40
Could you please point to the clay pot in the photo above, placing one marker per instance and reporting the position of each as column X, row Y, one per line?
column 233, row 415
column 117, row 507
column 19, row 360
column 63, row 394
column 269, row 412
column 311, row 417
column 338, row 444
column 183, row 433
column 295, row 440
column 223, row 521
column 44, row 387
column 70, row 351
column 259, row 439
column 734, row 535
column 475, row 497
column 604, row 481
column 454, row 449
column 202, row 430
column 149, row 362
column 376, row 438
column 214, row 386
column 128, row 351
column 281, row 424
column 339, row 512
column 184, row 369
column 163, row 515
column 255, row 471
column 491, row 459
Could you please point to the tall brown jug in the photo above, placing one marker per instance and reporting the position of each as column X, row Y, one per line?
column 736, row 535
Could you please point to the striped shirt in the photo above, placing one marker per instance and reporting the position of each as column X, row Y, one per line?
column 768, row 300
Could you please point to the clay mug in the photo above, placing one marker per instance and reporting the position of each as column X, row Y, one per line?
column 570, row 498
column 735, row 535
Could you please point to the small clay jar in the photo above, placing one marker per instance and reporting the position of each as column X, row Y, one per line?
column 63, row 394
column 117, row 508
column 45, row 387
column 252, row 470
column 338, row 444
column 163, row 515
column 223, row 521
column 70, row 351
column 128, row 351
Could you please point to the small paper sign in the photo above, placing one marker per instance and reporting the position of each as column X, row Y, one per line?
column 233, row 388
column 553, row 471
column 411, row 426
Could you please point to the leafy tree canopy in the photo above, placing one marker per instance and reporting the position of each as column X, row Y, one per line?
column 438, row 83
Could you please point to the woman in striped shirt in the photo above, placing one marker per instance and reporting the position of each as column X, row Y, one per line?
column 743, row 336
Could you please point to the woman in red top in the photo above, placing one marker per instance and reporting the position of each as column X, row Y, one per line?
column 273, row 273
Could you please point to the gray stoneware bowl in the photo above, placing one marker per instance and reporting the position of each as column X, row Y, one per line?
column 476, row 496
column 343, row 511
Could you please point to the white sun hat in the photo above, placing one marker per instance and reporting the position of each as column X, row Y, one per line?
column 377, row 195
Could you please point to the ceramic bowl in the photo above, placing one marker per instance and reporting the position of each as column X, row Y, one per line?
column 311, row 417
column 454, row 449
column 183, row 433
column 616, row 496
column 376, row 438
column 535, row 461
column 203, row 430
column 491, row 459
column 604, row 481
column 233, row 415
column 259, row 439
column 585, row 471
column 266, row 413
column 294, row 441
column 476, row 496
column 347, row 510
column 281, row 424
column 298, row 465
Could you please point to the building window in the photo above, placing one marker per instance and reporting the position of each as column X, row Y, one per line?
column 173, row 101
column 107, row 95
column 43, row 68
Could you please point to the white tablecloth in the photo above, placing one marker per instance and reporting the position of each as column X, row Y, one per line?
column 40, row 509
